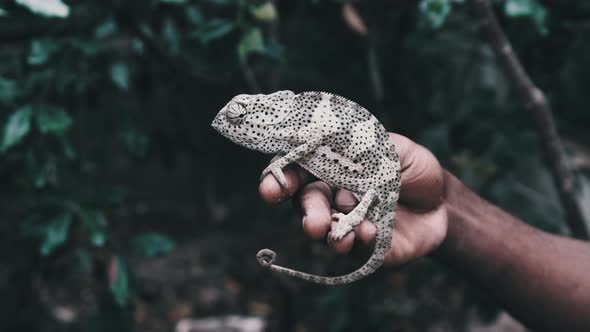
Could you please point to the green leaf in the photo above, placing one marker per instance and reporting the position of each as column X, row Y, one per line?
column 107, row 28
column 95, row 224
column 88, row 47
column 41, row 50
column 435, row 11
column 17, row 127
column 56, row 233
column 119, row 281
column 252, row 41
column 194, row 15
column 174, row 1
column 137, row 45
column 8, row 90
column 3, row 12
column 53, row 120
column 67, row 147
column 531, row 9
column 152, row 244
column 135, row 141
column 214, row 29
column 47, row 173
column 41, row 179
column 266, row 12
column 120, row 75
column 84, row 261
column 170, row 33
column 49, row 8
column 518, row 8
column 540, row 22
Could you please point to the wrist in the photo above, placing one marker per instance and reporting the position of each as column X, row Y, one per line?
column 466, row 229
column 441, row 251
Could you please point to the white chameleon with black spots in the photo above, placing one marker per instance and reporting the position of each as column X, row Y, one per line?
column 336, row 140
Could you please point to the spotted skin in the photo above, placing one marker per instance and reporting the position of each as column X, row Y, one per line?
column 336, row 140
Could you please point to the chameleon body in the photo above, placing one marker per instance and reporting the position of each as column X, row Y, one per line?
column 336, row 140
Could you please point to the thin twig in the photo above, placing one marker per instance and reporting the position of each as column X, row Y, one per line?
column 542, row 114
column 249, row 76
column 356, row 23
column 374, row 71
column 274, row 78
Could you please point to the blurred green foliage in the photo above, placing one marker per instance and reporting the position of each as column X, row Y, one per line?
column 94, row 93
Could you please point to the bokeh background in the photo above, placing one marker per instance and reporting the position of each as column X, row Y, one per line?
column 122, row 210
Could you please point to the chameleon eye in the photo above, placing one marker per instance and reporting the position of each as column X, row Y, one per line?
column 236, row 112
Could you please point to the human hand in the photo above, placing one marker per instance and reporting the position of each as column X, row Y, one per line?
column 421, row 218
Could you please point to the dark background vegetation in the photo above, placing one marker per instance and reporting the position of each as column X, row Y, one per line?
column 122, row 210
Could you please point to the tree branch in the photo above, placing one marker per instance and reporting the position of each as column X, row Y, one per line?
column 542, row 114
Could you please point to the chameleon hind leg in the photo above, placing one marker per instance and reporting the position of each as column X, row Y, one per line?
column 346, row 222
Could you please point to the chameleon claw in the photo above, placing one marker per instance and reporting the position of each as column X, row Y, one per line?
column 278, row 174
column 338, row 233
column 341, row 228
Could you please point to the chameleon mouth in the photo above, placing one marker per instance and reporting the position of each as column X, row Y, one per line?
column 217, row 123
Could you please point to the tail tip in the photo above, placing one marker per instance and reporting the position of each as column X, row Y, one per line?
column 266, row 257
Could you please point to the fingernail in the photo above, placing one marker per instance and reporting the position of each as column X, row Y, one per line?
column 303, row 220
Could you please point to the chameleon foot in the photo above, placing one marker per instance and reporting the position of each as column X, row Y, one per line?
column 266, row 257
column 277, row 172
column 342, row 227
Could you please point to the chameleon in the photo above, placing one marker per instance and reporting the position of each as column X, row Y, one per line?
column 336, row 140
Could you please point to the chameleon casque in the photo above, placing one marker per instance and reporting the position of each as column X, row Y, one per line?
column 336, row 140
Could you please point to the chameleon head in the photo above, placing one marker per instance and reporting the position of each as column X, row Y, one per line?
column 253, row 121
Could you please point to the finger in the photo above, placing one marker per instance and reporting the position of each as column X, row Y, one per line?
column 344, row 245
column 345, row 201
column 272, row 192
column 366, row 232
column 416, row 234
column 422, row 176
column 315, row 203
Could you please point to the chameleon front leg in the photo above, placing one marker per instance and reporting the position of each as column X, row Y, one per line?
column 347, row 221
column 276, row 166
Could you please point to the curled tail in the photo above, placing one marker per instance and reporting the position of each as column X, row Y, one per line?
column 266, row 258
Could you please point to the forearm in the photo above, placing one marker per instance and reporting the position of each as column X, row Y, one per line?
column 541, row 279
